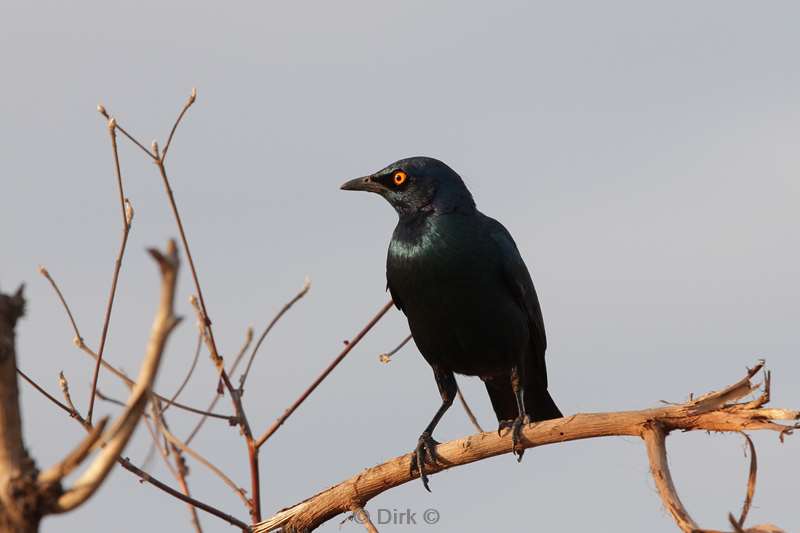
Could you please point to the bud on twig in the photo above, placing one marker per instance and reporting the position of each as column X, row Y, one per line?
column 128, row 212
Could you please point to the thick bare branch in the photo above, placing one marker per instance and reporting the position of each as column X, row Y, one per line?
column 142, row 474
column 165, row 321
column 20, row 501
column 75, row 458
column 654, row 437
column 712, row 412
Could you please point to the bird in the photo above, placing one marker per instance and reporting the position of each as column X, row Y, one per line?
column 466, row 292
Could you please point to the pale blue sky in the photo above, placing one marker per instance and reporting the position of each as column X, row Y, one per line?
column 644, row 156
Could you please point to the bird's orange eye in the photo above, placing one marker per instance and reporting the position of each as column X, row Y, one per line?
column 400, row 177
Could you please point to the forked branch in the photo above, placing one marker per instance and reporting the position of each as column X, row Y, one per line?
column 118, row 436
column 716, row 411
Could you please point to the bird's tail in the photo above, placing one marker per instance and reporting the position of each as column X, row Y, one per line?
column 540, row 405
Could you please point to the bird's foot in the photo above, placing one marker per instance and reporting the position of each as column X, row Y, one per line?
column 516, row 429
column 425, row 451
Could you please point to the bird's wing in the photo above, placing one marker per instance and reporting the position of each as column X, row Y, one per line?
column 394, row 296
column 518, row 280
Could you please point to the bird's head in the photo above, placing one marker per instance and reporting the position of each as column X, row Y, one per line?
column 415, row 185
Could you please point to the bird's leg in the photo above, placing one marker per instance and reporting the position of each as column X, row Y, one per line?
column 523, row 418
column 426, row 446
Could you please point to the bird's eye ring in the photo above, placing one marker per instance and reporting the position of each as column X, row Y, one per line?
column 400, row 177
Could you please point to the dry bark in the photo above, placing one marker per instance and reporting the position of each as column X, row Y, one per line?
column 26, row 495
column 716, row 411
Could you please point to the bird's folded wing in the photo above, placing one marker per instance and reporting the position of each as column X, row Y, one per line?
column 519, row 283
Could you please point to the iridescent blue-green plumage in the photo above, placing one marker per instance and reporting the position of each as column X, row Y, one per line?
column 461, row 282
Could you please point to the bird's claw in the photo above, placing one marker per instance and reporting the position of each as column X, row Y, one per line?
column 516, row 430
column 504, row 424
column 425, row 450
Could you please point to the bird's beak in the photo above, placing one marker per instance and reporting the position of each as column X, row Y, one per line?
column 365, row 183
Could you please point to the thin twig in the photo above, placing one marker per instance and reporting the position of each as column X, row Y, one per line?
column 180, row 471
column 387, row 357
column 303, row 291
column 186, row 107
column 44, row 272
column 164, row 323
column 102, row 111
column 175, row 441
column 363, row 518
column 188, row 374
column 248, row 339
column 78, row 341
column 469, row 412
column 751, row 480
column 231, row 420
column 44, row 392
column 252, row 451
column 215, row 356
column 127, row 218
column 735, row 525
column 176, row 214
column 64, row 385
column 218, row 362
column 180, row 464
column 162, row 451
column 349, row 346
column 143, row 475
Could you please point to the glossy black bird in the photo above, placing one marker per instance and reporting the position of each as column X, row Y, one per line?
column 469, row 299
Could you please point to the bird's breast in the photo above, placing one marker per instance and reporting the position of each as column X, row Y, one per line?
column 448, row 281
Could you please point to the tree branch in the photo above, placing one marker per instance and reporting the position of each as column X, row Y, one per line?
column 126, row 210
column 80, row 344
column 288, row 305
column 165, row 322
column 20, row 500
column 348, row 346
column 716, row 411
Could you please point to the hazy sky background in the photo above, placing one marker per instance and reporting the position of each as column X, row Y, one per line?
column 644, row 155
